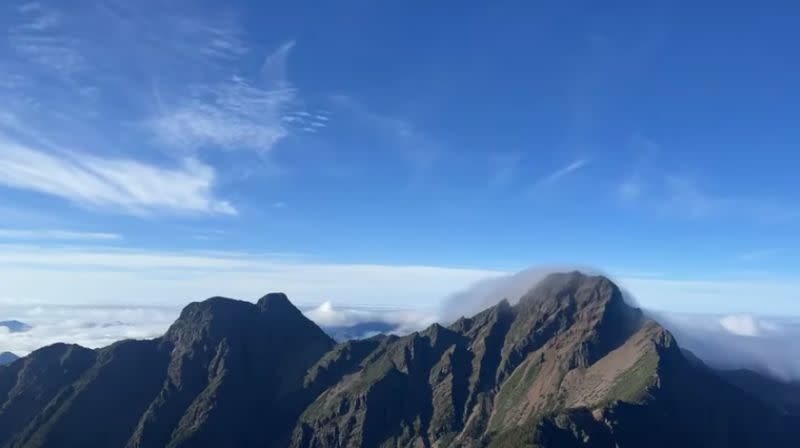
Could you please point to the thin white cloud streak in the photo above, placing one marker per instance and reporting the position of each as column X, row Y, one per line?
column 503, row 169
column 630, row 190
column 559, row 174
column 235, row 114
column 37, row 38
column 55, row 234
column 118, row 184
column 684, row 198
column 84, row 275
column 681, row 197
column 29, row 6
column 759, row 255
column 60, row 40
column 419, row 149
column 634, row 185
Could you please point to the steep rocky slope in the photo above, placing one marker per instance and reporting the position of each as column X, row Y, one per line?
column 571, row 364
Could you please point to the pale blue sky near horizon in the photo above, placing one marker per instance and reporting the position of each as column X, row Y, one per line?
column 390, row 153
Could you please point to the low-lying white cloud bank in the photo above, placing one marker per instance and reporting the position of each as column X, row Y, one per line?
column 88, row 326
column 402, row 321
column 762, row 343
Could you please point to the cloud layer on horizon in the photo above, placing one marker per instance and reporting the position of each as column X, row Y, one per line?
column 403, row 321
column 91, row 327
column 760, row 343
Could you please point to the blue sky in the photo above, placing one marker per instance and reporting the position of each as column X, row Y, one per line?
column 376, row 153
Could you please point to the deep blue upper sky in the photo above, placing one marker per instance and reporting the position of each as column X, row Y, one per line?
column 655, row 140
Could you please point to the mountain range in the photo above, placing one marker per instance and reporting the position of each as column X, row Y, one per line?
column 15, row 326
column 360, row 330
column 571, row 364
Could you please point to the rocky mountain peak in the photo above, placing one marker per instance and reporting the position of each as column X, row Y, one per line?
column 275, row 302
column 573, row 286
column 213, row 318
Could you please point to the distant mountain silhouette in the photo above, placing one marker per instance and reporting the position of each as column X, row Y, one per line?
column 15, row 326
column 361, row 330
column 571, row 365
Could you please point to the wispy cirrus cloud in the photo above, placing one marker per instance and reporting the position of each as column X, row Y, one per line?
column 55, row 40
column 64, row 88
column 503, row 168
column 683, row 197
column 111, row 183
column 402, row 136
column 37, row 37
column 57, row 234
column 563, row 172
column 760, row 255
column 633, row 186
column 73, row 90
column 235, row 113
column 655, row 189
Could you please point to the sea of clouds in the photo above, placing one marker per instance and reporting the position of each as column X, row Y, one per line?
column 727, row 341
column 98, row 326
column 89, row 326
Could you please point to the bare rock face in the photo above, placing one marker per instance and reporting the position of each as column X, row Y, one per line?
column 570, row 365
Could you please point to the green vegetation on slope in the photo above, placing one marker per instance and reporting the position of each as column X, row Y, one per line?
column 632, row 385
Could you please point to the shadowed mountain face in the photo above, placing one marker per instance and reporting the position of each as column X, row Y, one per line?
column 571, row 365
column 226, row 373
